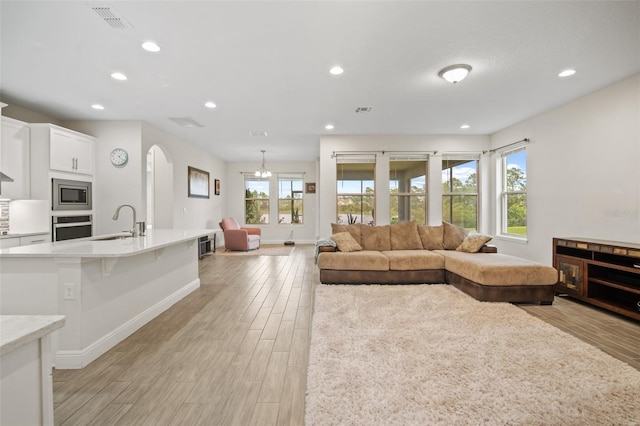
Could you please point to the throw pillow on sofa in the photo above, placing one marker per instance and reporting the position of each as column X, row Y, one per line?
column 431, row 236
column 453, row 235
column 472, row 243
column 405, row 236
column 346, row 242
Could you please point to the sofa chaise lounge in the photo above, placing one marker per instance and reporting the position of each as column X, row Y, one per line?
column 408, row 253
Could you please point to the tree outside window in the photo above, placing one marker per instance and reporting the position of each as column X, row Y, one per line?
column 460, row 192
column 514, row 193
column 356, row 193
column 290, row 200
column 256, row 200
column 408, row 190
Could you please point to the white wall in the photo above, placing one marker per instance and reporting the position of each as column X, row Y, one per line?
column 583, row 170
column 273, row 233
column 396, row 143
column 127, row 185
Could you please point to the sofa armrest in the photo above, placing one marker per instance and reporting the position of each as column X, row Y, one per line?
column 488, row 249
column 253, row 231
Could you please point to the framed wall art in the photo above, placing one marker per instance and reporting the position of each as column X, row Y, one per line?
column 198, row 182
column 310, row 188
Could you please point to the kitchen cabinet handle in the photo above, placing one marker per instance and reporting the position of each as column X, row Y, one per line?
column 37, row 241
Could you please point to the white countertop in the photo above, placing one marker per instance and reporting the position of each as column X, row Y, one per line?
column 89, row 247
column 19, row 330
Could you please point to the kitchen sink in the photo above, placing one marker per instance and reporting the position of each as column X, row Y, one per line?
column 112, row 237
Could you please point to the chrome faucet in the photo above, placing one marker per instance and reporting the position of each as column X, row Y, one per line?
column 134, row 230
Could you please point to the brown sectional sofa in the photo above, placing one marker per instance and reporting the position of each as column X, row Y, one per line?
column 408, row 253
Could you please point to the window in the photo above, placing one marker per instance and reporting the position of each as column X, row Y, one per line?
column 408, row 190
column 256, row 200
column 290, row 199
column 460, row 191
column 514, row 192
column 356, row 189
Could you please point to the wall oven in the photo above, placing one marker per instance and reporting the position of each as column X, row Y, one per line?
column 70, row 195
column 71, row 227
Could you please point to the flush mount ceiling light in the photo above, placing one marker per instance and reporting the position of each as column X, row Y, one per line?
column 567, row 73
column 118, row 76
column 262, row 171
column 210, row 104
column 455, row 73
column 150, row 46
column 336, row 70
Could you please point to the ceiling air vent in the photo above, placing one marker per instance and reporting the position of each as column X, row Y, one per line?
column 257, row 133
column 185, row 121
column 111, row 16
column 363, row 109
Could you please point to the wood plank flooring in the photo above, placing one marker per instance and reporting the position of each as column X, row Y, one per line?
column 235, row 351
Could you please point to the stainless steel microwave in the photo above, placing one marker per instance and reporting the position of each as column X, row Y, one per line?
column 70, row 195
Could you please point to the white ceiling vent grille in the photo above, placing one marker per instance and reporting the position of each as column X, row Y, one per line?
column 111, row 16
column 185, row 121
column 257, row 133
column 363, row 109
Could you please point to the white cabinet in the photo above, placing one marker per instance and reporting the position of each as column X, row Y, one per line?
column 14, row 158
column 67, row 151
column 35, row 239
column 71, row 152
column 9, row 242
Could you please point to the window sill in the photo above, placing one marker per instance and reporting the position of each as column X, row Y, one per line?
column 512, row 238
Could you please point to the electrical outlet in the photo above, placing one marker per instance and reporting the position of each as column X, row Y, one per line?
column 69, row 291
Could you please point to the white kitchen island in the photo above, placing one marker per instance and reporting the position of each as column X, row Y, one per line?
column 106, row 289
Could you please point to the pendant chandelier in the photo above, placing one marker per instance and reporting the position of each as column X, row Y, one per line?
column 262, row 171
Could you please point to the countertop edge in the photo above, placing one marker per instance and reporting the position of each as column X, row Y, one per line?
column 24, row 329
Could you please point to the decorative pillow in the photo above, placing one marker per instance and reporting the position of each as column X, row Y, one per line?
column 473, row 243
column 432, row 237
column 345, row 242
column 354, row 230
column 453, row 235
column 376, row 237
column 404, row 236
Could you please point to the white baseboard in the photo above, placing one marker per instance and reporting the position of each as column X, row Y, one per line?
column 67, row 360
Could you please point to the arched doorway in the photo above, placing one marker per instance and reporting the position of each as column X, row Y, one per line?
column 159, row 189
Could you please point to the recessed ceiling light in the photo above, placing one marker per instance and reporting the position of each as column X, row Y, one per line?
column 97, row 106
column 336, row 70
column 567, row 73
column 118, row 76
column 150, row 46
column 329, row 127
column 455, row 73
column 465, row 126
column 210, row 104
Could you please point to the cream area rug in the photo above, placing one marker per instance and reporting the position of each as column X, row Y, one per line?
column 431, row 355
column 265, row 250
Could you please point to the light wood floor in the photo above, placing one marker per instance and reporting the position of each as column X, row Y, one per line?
column 235, row 351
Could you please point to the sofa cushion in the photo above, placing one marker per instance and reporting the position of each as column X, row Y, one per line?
column 354, row 230
column 432, row 237
column 345, row 242
column 413, row 260
column 376, row 237
column 365, row 260
column 405, row 236
column 497, row 269
column 453, row 235
column 473, row 243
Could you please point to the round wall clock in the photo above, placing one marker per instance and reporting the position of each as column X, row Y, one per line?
column 119, row 157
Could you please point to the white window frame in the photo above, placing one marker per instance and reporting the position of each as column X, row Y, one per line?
column 504, row 193
column 291, row 177
column 467, row 158
column 425, row 194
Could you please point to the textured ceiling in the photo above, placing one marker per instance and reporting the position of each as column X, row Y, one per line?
column 265, row 64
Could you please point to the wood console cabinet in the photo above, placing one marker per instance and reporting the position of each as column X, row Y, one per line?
column 603, row 273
